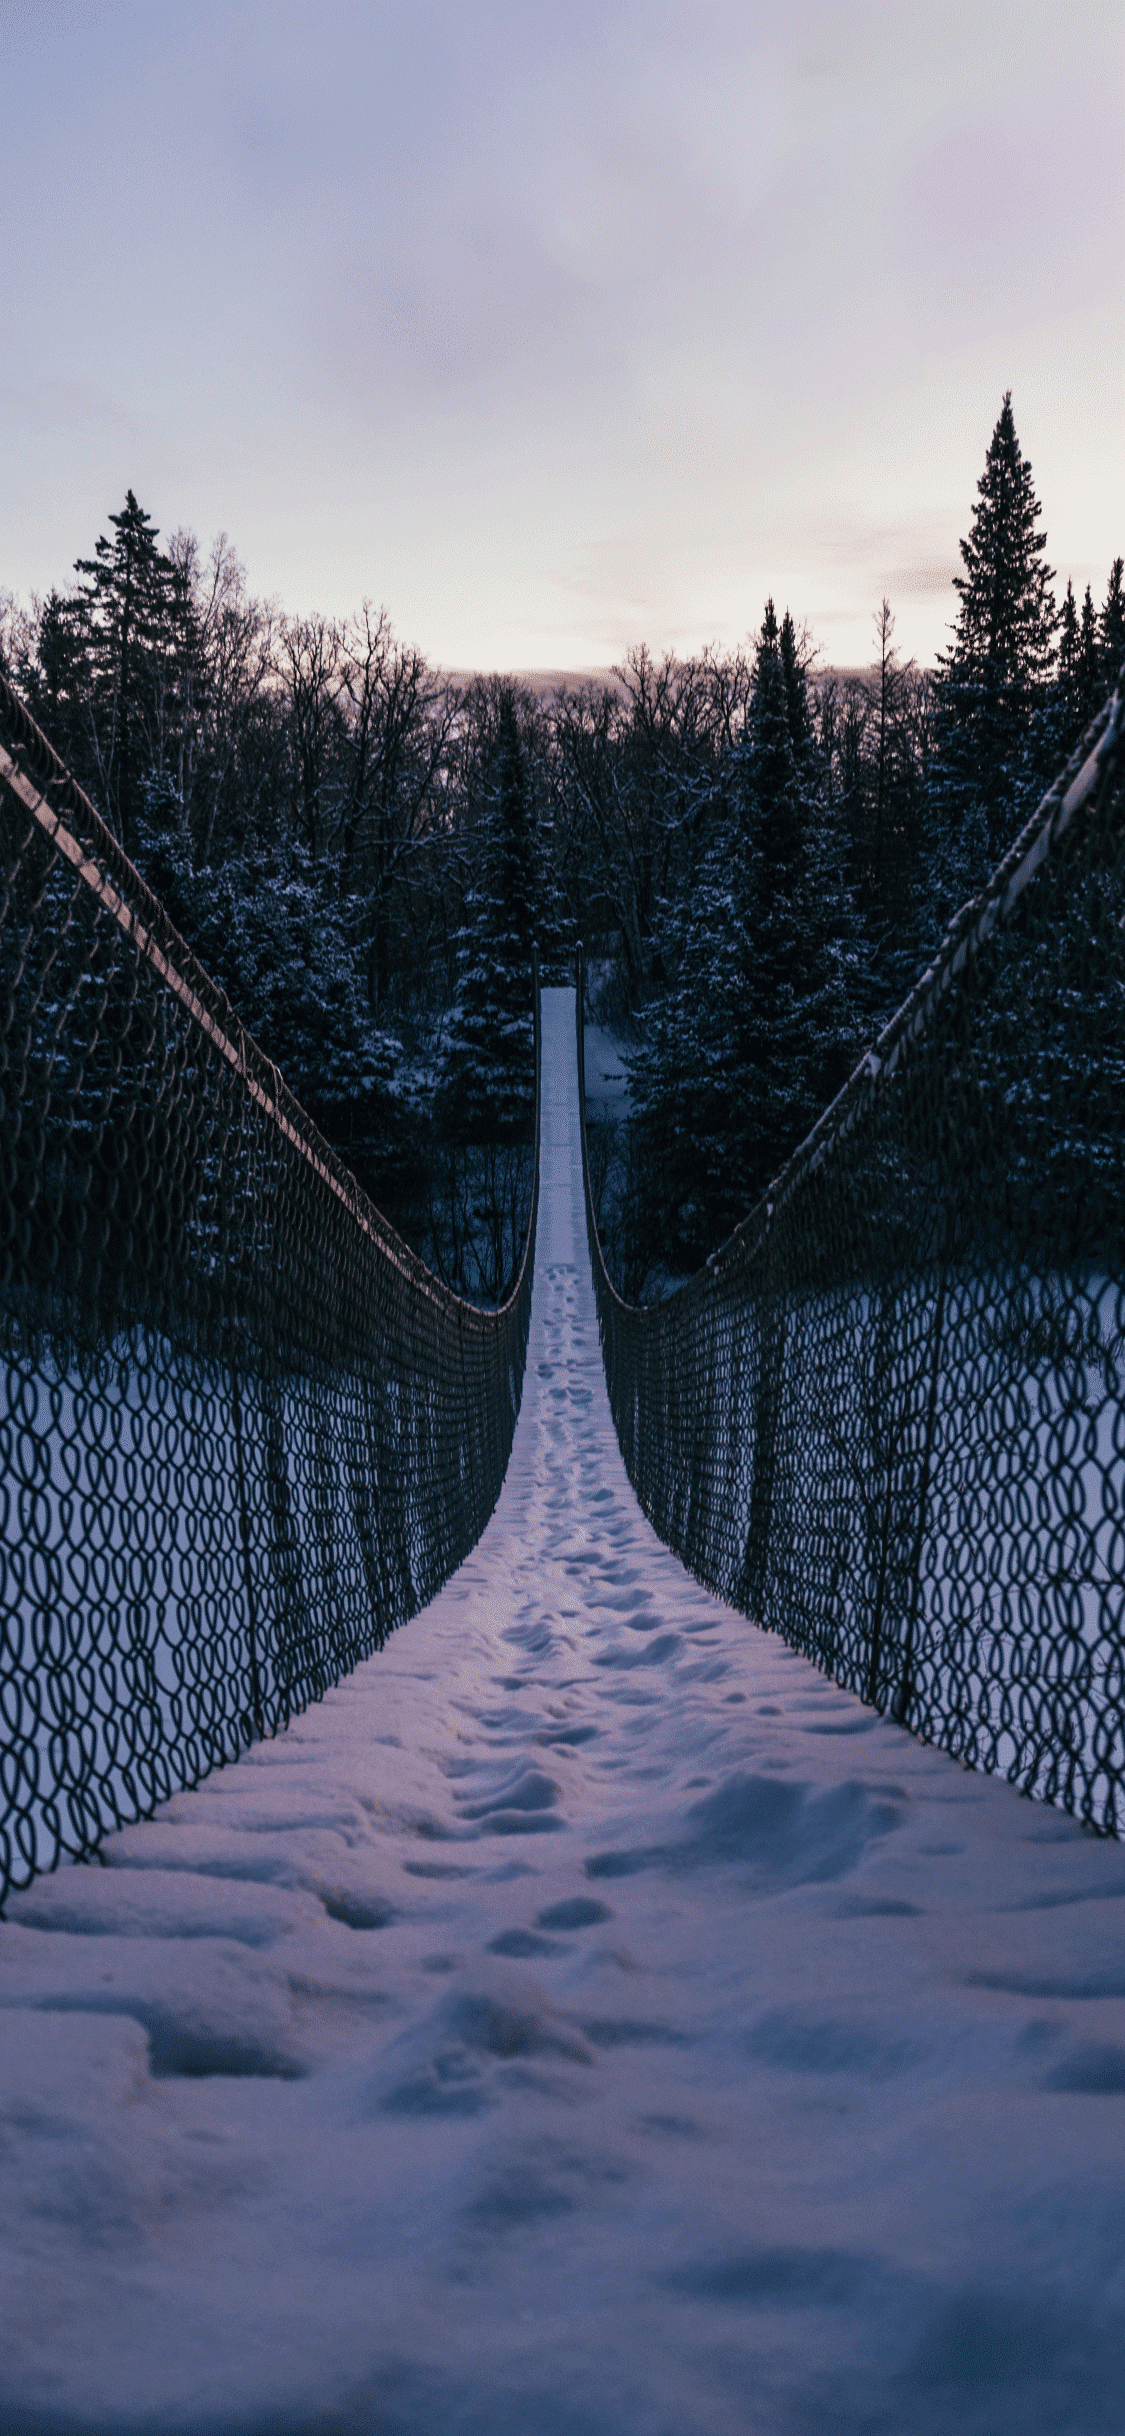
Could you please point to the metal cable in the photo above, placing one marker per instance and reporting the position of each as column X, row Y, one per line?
column 244, row 1431
column 887, row 1419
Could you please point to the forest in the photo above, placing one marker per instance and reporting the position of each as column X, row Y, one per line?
column 758, row 852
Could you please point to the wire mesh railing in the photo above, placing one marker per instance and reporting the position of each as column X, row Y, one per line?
column 244, row 1431
column 887, row 1419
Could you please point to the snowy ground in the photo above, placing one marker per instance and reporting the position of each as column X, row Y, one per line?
column 587, row 2022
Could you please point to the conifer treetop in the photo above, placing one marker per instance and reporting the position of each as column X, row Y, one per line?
column 1007, row 617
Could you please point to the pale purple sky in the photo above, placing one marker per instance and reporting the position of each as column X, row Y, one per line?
column 559, row 328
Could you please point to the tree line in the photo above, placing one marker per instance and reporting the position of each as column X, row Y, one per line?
column 758, row 853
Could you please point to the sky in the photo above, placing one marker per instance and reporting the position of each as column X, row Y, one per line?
column 553, row 329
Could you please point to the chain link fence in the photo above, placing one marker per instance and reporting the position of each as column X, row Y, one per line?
column 244, row 1431
column 887, row 1419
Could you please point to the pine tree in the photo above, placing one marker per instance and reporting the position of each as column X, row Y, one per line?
column 127, row 607
column 755, row 1032
column 807, row 977
column 692, row 1085
column 1089, row 671
column 1113, row 625
column 794, row 669
column 487, row 1080
column 271, row 932
column 994, row 744
column 877, row 736
column 57, row 684
column 769, row 760
column 1067, row 678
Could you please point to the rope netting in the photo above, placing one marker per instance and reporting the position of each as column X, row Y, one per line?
column 244, row 1431
column 887, row 1419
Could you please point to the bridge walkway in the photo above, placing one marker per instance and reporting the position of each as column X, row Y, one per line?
column 588, row 2020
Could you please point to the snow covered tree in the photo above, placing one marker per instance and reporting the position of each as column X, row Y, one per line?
column 487, row 1081
column 755, row 1031
column 993, row 738
column 479, row 1150
column 272, row 933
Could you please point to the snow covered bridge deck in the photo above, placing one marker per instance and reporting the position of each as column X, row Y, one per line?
column 588, row 2021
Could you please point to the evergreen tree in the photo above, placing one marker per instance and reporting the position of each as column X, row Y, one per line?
column 769, row 766
column 756, row 1029
column 994, row 742
column 296, row 980
column 794, row 668
column 693, row 1085
column 1089, row 670
column 273, row 935
column 128, row 613
column 1067, row 677
column 1113, row 625
column 486, row 1088
column 882, row 728
column 56, row 680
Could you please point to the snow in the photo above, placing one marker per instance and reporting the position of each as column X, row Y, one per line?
column 588, row 2021
column 607, row 1074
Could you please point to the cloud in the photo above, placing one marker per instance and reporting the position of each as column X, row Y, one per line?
column 534, row 322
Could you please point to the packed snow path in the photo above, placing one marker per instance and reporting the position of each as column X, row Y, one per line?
column 587, row 2022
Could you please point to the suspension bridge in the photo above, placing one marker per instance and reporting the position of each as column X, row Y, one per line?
column 578, row 2011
